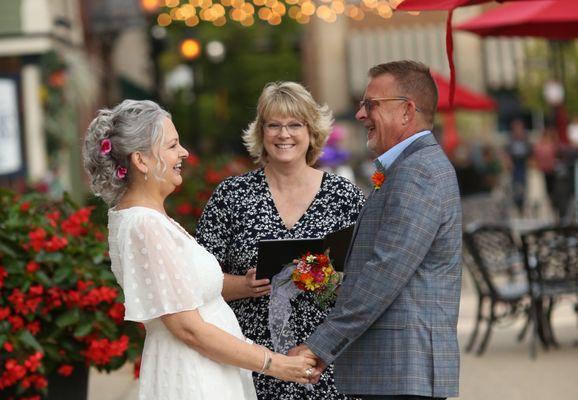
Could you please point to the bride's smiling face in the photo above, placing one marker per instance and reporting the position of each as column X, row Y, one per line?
column 167, row 168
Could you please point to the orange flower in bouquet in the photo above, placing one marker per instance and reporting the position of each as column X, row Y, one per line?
column 314, row 273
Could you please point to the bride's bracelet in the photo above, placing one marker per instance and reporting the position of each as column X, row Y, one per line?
column 266, row 361
column 266, row 356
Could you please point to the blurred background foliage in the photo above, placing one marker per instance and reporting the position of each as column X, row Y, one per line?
column 211, row 116
column 549, row 60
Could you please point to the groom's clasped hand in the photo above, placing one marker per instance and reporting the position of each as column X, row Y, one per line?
column 298, row 367
column 318, row 367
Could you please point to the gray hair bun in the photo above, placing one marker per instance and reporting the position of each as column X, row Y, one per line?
column 130, row 126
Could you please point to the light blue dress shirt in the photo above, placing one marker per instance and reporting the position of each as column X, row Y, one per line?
column 388, row 158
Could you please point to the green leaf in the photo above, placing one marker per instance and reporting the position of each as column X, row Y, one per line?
column 52, row 352
column 98, row 258
column 55, row 258
column 106, row 275
column 15, row 266
column 109, row 329
column 68, row 346
column 3, row 338
column 83, row 329
column 66, row 199
column 44, row 279
column 115, row 363
column 132, row 353
column 62, row 273
column 100, row 316
column 7, row 250
column 27, row 338
column 69, row 318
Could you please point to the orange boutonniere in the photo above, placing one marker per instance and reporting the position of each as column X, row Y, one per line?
column 377, row 178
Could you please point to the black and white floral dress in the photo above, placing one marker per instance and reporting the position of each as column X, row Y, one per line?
column 241, row 212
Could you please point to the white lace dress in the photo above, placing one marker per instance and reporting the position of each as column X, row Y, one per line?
column 163, row 270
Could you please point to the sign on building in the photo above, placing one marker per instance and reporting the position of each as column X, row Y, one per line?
column 10, row 144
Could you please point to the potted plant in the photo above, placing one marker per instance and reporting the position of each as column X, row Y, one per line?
column 61, row 310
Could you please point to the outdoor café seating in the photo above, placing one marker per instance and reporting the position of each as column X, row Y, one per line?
column 551, row 259
column 520, row 273
column 496, row 266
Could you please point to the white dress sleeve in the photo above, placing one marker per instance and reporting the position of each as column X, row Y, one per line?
column 156, row 276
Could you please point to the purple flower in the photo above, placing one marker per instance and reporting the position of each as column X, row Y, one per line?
column 105, row 146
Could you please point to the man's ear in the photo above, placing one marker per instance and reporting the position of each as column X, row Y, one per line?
column 139, row 161
column 405, row 117
column 409, row 111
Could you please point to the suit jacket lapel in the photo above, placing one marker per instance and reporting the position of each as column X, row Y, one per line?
column 378, row 167
column 424, row 141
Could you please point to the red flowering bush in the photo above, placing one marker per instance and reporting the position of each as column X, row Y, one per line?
column 200, row 178
column 60, row 306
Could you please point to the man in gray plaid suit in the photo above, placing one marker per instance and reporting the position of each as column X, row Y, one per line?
column 392, row 333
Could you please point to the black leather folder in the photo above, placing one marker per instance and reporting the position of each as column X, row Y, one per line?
column 274, row 254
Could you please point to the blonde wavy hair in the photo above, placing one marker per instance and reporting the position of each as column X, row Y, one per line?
column 288, row 100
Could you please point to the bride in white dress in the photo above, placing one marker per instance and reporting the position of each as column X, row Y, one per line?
column 194, row 348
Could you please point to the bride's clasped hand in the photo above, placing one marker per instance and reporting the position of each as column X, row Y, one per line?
column 300, row 369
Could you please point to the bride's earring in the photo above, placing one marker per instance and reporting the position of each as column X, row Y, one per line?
column 145, row 177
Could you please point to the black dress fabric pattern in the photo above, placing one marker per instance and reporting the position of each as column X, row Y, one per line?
column 241, row 212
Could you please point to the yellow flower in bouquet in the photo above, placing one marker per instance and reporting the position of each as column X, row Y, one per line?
column 314, row 273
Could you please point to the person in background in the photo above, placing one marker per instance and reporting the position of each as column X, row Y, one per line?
column 490, row 168
column 518, row 151
column 285, row 198
column 546, row 158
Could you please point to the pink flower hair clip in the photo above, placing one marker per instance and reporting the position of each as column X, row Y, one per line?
column 105, row 147
column 121, row 172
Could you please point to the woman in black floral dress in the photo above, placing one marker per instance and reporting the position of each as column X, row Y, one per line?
column 285, row 198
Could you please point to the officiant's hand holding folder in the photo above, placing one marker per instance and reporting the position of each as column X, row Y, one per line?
column 274, row 254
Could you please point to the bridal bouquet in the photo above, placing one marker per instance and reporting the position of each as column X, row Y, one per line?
column 314, row 273
column 311, row 273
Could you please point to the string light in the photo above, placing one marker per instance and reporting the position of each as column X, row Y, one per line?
column 192, row 21
column 244, row 12
column 190, row 48
column 164, row 19
column 150, row 6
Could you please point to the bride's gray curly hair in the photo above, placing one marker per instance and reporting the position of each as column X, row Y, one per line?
column 133, row 125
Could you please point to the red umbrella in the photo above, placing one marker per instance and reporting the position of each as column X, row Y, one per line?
column 553, row 19
column 441, row 5
column 431, row 5
column 449, row 5
column 464, row 99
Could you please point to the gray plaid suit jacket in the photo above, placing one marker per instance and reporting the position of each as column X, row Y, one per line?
column 393, row 328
